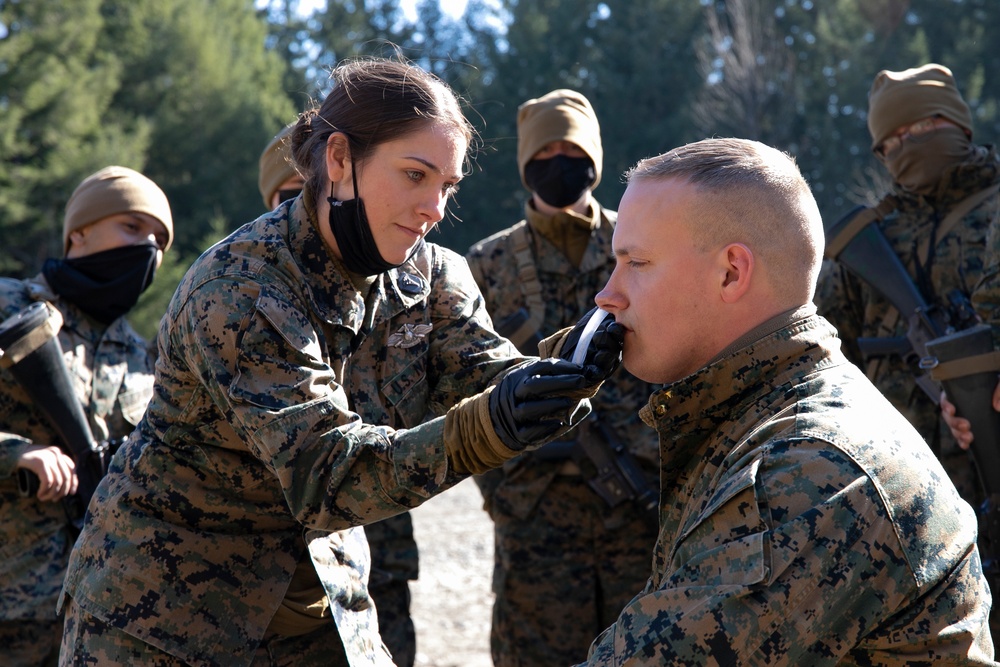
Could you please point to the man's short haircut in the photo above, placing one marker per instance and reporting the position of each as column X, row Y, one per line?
column 759, row 198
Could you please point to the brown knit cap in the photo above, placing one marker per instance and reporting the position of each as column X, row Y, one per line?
column 902, row 98
column 275, row 165
column 111, row 191
column 562, row 115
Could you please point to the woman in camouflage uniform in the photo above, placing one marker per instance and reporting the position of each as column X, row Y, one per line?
column 300, row 361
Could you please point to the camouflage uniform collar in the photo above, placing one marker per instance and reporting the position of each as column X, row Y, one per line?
column 119, row 332
column 689, row 411
column 544, row 223
column 324, row 277
column 590, row 236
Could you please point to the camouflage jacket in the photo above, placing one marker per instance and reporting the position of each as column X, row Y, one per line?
column 288, row 408
column 802, row 522
column 568, row 293
column 967, row 259
column 112, row 371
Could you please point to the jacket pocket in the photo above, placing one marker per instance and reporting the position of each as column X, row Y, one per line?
column 407, row 390
column 724, row 544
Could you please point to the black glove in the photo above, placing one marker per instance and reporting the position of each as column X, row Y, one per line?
column 604, row 353
column 534, row 402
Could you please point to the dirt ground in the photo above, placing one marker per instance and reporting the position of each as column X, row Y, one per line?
column 452, row 600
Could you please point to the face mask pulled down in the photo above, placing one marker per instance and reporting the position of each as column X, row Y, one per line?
column 560, row 181
column 353, row 233
column 106, row 284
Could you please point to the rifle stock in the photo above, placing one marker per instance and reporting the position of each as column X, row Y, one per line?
column 31, row 352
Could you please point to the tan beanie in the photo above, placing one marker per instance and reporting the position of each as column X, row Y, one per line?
column 902, row 98
column 562, row 115
column 275, row 165
column 111, row 191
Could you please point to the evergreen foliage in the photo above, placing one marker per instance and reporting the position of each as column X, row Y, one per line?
column 189, row 92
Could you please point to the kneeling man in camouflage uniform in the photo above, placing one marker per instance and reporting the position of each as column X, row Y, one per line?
column 803, row 521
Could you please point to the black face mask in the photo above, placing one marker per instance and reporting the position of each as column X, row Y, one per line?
column 561, row 180
column 106, row 284
column 290, row 193
column 350, row 226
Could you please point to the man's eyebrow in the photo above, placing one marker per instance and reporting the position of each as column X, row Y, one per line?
column 622, row 252
column 433, row 167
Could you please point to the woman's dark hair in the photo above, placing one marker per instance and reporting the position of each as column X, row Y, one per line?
column 374, row 100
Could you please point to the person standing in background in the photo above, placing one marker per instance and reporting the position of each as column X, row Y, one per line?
column 116, row 228
column 942, row 219
column 277, row 178
column 803, row 520
column 571, row 547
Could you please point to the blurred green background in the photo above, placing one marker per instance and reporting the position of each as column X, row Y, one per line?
column 190, row 91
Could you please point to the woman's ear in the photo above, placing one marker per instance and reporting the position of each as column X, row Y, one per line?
column 338, row 157
column 739, row 265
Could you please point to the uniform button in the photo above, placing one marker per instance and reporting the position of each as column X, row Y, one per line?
column 660, row 409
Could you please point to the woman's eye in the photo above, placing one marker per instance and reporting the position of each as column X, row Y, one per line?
column 450, row 189
column 415, row 176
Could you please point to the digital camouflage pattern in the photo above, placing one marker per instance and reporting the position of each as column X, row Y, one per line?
column 112, row 372
column 556, row 585
column 564, row 573
column 803, row 521
column 288, row 408
column 92, row 642
column 966, row 259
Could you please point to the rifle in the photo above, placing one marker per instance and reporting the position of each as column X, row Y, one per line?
column 618, row 477
column 30, row 350
column 951, row 349
column 959, row 362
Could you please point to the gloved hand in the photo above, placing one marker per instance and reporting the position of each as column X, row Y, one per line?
column 604, row 353
column 533, row 403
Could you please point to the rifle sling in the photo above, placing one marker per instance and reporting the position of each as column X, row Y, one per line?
column 979, row 363
column 531, row 286
column 33, row 340
column 957, row 213
column 836, row 245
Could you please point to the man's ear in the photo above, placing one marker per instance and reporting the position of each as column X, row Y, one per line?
column 738, row 262
column 338, row 157
column 76, row 240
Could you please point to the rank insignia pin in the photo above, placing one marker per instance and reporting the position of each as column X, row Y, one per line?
column 410, row 284
column 409, row 335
